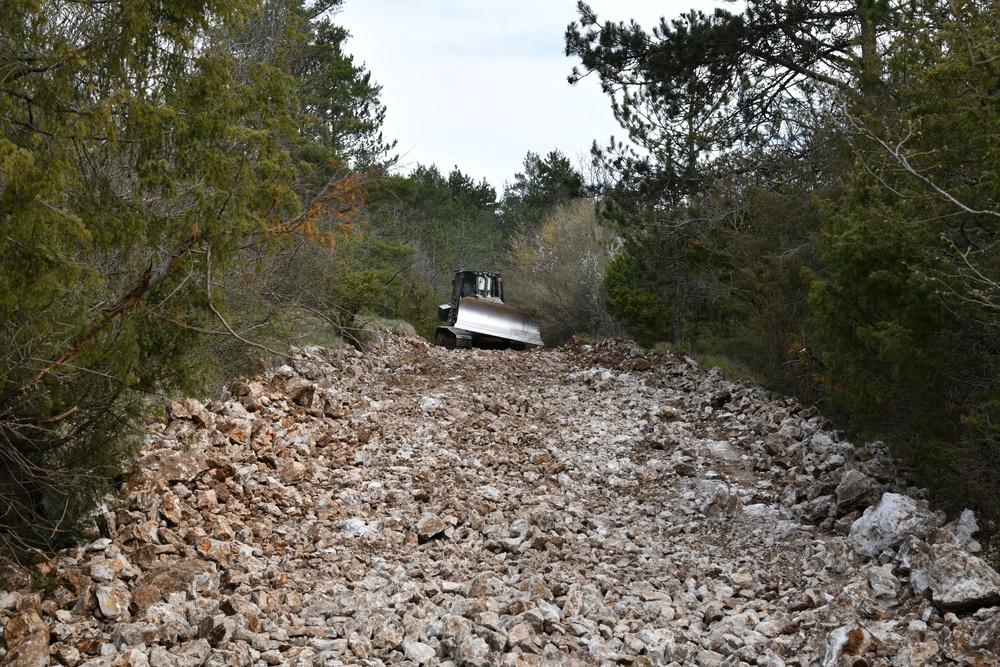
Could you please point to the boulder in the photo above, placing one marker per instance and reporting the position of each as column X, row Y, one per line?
column 430, row 526
column 300, row 391
column 960, row 532
column 987, row 634
column 473, row 651
column 27, row 637
column 855, row 491
column 418, row 652
column 960, row 581
column 721, row 501
column 849, row 640
column 887, row 524
column 175, row 466
column 13, row 575
column 114, row 599
column 185, row 408
column 188, row 576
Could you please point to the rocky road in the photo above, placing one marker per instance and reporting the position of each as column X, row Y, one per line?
column 587, row 505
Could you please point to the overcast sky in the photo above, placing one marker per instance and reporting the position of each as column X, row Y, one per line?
column 479, row 83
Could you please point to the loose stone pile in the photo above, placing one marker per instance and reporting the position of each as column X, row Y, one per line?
column 585, row 505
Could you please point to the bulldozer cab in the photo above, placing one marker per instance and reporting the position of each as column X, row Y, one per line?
column 480, row 284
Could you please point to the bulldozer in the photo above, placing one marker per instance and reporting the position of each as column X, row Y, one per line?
column 477, row 316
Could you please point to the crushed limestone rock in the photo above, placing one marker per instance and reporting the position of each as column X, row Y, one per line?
column 586, row 505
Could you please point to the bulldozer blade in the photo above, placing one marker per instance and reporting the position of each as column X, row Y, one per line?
column 497, row 320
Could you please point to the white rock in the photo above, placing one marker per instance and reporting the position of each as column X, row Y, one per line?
column 890, row 521
column 960, row 581
column 418, row 652
column 478, row 507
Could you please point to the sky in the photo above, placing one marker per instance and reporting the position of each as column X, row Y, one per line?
column 478, row 83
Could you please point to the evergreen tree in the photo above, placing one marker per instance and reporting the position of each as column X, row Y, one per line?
column 714, row 104
column 451, row 221
column 341, row 100
column 906, row 297
column 536, row 192
column 145, row 148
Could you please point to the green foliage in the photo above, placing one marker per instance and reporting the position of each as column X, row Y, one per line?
column 724, row 80
column 556, row 273
column 906, row 297
column 881, row 328
column 641, row 312
column 717, row 110
column 842, row 245
column 728, row 367
column 450, row 222
column 366, row 277
column 537, row 191
column 125, row 134
column 341, row 100
column 148, row 153
column 751, row 269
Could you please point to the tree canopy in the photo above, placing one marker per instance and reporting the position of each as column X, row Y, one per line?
column 538, row 190
column 818, row 176
column 148, row 150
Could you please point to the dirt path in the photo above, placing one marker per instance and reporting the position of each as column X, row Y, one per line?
column 577, row 506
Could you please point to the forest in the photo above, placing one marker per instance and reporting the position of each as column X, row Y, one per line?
column 807, row 196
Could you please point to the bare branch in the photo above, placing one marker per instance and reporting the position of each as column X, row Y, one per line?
column 208, row 294
column 152, row 276
column 903, row 159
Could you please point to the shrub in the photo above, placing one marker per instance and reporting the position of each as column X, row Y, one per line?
column 557, row 273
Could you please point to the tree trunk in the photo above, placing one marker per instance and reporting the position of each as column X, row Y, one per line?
column 870, row 70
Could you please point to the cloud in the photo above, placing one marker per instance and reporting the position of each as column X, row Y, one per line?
column 479, row 84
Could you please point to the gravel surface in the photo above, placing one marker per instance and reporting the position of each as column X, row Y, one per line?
column 586, row 505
